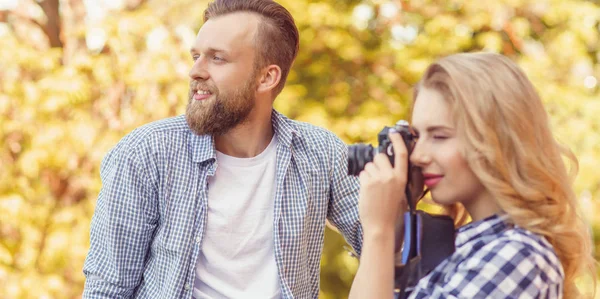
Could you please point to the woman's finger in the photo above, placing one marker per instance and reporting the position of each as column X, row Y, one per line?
column 363, row 177
column 371, row 169
column 401, row 155
column 382, row 162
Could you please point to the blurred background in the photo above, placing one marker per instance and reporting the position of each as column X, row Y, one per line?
column 77, row 75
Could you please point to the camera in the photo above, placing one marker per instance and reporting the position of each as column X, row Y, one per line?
column 361, row 154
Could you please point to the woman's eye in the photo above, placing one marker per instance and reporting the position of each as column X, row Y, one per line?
column 440, row 137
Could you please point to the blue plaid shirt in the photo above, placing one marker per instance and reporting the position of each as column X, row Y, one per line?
column 494, row 259
column 151, row 214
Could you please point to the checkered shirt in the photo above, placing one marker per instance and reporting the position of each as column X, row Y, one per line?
column 494, row 259
column 151, row 213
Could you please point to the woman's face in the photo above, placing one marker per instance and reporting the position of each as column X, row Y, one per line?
column 438, row 154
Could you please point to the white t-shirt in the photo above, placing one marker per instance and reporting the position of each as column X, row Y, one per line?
column 237, row 259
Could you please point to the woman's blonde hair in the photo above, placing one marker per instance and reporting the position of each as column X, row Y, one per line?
column 509, row 146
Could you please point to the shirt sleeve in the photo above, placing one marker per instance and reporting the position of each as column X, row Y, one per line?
column 122, row 227
column 499, row 270
column 343, row 201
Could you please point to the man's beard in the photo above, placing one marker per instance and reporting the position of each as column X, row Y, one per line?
column 222, row 113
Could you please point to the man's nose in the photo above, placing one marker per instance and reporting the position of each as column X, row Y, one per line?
column 199, row 70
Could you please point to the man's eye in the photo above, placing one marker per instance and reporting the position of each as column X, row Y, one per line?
column 217, row 58
column 195, row 57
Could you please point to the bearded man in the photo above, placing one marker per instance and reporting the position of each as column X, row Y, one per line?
column 230, row 200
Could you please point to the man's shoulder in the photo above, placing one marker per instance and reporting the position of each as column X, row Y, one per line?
column 152, row 136
column 167, row 126
column 315, row 134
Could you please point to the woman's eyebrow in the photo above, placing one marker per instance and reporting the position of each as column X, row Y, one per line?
column 434, row 128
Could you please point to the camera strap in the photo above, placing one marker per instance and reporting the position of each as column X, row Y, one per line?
column 428, row 240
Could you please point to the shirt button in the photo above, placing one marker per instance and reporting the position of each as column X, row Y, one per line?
column 198, row 240
column 187, row 287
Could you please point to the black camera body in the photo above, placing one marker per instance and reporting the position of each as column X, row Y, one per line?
column 361, row 154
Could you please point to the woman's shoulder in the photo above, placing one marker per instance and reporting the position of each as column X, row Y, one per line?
column 519, row 250
column 504, row 263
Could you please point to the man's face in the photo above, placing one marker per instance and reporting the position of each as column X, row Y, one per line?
column 223, row 78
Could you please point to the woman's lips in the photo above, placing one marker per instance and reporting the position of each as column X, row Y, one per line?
column 431, row 180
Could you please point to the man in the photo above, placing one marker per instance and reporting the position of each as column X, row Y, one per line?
column 230, row 200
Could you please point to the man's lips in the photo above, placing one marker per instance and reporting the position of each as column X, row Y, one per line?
column 201, row 95
column 431, row 180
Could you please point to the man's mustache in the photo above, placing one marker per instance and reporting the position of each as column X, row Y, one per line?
column 200, row 85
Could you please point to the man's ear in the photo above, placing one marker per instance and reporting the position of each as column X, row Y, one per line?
column 271, row 75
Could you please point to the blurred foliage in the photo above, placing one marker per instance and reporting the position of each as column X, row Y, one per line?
column 76, row 78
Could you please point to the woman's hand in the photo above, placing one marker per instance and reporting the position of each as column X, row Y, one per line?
column 382, row 200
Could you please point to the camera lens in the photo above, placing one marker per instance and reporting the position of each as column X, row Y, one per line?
column 358, row 156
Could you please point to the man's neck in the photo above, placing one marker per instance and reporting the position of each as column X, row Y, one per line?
column 247, row 139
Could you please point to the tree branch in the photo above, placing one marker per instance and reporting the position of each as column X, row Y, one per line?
column 134, row 4
column 53, row 24
column 5, row 16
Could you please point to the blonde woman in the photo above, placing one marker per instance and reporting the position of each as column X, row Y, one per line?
column 484, row 143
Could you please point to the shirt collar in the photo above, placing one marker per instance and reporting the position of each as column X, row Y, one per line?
column 283, row 129
column 203, row 148
column 491, row 225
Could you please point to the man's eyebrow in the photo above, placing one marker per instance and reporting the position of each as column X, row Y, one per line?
column 209, row 50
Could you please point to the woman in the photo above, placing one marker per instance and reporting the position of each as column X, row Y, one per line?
column 484, row 143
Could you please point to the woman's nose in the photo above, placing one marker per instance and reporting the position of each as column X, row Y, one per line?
column 419, row 156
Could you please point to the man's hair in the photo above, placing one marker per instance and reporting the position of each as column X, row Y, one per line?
column 277, row 38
